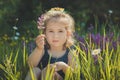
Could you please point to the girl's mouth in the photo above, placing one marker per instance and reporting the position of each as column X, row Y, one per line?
column 55, row 40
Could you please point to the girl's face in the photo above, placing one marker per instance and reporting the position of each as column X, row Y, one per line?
column 56, row 34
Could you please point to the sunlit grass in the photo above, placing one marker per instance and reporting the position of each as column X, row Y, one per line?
column 102, row 66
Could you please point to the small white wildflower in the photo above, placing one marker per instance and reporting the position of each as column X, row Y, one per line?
column 16, row 38
column 17, row 33
column 17, row 19
column 95, row 51
column 15, row 28
column 110, row 11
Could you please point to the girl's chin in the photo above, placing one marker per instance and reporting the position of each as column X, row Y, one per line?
column 55, row 45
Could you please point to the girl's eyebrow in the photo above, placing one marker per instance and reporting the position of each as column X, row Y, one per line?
column 60, row 29
column 53, row 28
column 48, row 28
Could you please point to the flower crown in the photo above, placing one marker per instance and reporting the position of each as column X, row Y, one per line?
column 57, row 9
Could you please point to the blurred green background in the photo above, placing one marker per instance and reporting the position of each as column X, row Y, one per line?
column 97, row 26
column 23, row 14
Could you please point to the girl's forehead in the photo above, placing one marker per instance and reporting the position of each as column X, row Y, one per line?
column 55, row 25
column 64, row 21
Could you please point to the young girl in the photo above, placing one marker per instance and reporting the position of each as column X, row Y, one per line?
column 53, row 46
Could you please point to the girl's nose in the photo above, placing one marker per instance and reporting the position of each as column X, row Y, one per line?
column 55, row 35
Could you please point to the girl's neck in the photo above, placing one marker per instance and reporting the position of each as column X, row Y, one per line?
column 56, row 52
column 57, row 49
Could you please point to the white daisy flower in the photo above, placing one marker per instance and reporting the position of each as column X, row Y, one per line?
column 95, row 51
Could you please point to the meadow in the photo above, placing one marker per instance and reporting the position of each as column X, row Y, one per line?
column 98, row 55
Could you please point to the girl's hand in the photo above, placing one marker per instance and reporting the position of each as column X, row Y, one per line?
column 57, row 76
column 61, row 66
column 45, row 70
column 40, row 42
column 50, row 67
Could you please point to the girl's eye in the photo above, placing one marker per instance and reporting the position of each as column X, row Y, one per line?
column 50, row 31
column 60, row 31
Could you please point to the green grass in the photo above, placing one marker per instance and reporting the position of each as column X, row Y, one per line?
column 14, row 66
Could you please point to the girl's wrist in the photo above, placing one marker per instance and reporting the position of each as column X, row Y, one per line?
column 39, row 48
column 65, row 68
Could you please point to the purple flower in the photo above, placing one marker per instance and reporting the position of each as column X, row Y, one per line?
column 114, row 44
column 41, row 24
column 93, row 38
column 90, row 28
column 98, row 38
column 110, row 35
column 81, row 39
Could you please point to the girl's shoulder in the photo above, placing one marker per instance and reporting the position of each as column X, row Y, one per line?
column 72, row 48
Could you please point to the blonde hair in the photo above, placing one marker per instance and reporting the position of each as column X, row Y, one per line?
column 58, row 14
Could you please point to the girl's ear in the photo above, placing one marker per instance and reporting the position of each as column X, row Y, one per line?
column 68, row 33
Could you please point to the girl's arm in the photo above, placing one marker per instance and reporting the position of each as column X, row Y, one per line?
column 35, row 57
column 38, row 52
